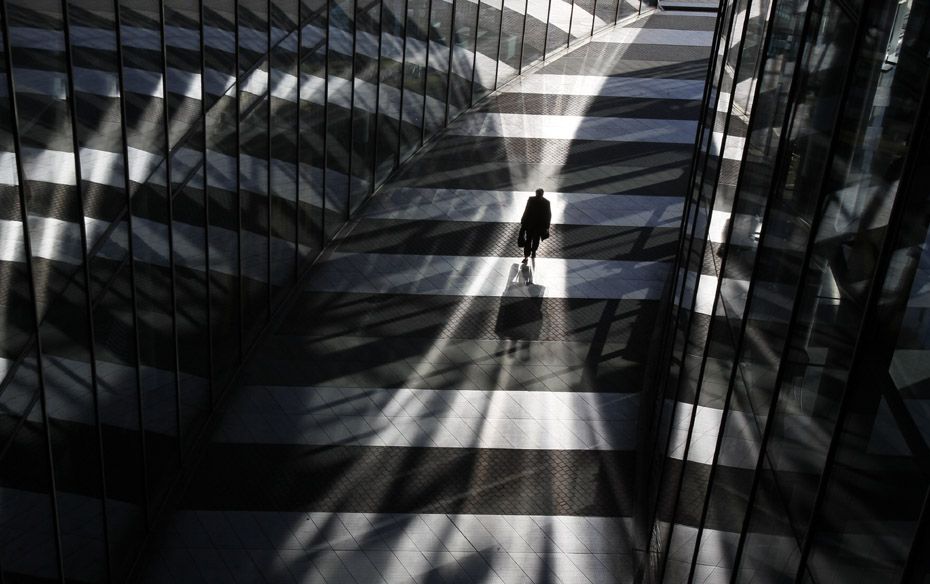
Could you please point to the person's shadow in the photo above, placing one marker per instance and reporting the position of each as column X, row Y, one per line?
column 519, row 314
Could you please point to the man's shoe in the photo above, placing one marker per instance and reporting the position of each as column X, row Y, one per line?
column 524, row 261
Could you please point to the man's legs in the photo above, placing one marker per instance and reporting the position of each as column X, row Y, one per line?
column 533, row 244
column 528, row 246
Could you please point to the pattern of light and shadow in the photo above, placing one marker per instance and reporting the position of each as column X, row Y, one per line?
column 427, row 410
column 792, row 439
column 167, row 170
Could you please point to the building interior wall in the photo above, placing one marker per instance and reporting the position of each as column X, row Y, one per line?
column 792, row 436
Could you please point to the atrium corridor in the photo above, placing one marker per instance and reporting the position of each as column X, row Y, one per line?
column 427, row 410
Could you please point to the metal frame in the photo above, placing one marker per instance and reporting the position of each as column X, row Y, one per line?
column 781, row 163
column 88, row 303
column 500, row 35
column 270, row 168
column 671, row 324
column 696, row 184
column 706, row 348
column 297, row 150
column 593, row 18
column 546, row 38
column 866, row 341
column 127, row 185
column 571, row 20
column 27, row 244
column 429, row 31
column 452, row 45
column 211, row 365
column 874, row 293
column 526, row 8
column 403, row 83
column 169, row 195
column 352, row 109
column 239, row 272
column 325, row 166
column 739, row 339
column 374, row 154
column 474, row 57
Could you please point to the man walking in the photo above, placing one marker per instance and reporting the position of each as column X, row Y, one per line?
column 535, row 224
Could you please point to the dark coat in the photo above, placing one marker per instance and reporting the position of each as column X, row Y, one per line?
column 537, row 215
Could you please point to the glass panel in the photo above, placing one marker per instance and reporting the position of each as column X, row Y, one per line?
column 99, row 129
column 788, row 484
column 489, row 21
column 189, row 219
column 368, row 15
column 880, row 465
column 312, row 127
column 631, row 7
column 688, row 344
column 437, row 78
column 463, row 38
column 713, row 202
column 534, row 38
column 560, row 16
column 338, row 114
column 582, row 19
column 253, row 164
column 55, row 217
column 604, row 13
column 511, row 40
column 392, row 53
column 142, row 71
column 284, row 90
column 411, row 130
column 221, row 182
column 27, row 548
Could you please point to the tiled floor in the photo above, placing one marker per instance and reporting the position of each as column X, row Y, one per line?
column 431, row 411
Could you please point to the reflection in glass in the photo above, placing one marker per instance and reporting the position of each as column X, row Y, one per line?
column 511, row 42
column 415, row 55
column 389, row 88
column 488, row 43
column 463, row 57
column 582, row 19
column 437, row 78
column 534, row 35
column 365, row 100
column 254, row 99
column 312, row 126
column 560, row 20
column 338, row 114
column 283, row 140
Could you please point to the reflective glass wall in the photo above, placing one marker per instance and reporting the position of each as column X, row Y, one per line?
column 793, row 434
column 168, row 169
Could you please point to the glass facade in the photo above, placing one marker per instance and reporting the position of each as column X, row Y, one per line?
column 168, row 170
column 792, row 429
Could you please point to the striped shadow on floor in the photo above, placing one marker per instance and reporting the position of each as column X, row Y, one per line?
column 430, row 410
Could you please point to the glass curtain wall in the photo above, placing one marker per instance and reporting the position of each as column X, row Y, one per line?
column 168, row 169
column 792, row 444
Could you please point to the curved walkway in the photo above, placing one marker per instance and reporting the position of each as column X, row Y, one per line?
column 429, row 410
